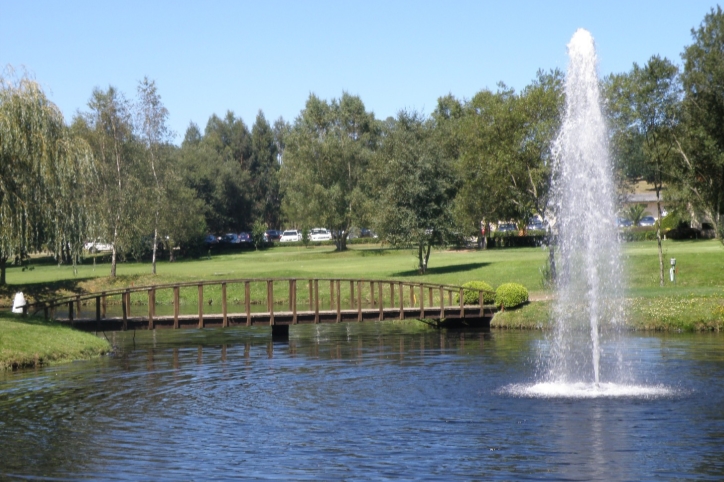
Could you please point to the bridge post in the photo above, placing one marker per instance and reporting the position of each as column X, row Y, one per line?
column 372, row 294
column 150, row 309
column 291, row 284
column 224, row 311
column 201, row 305
column 270, row 291
column 70, row 312
column 422, row 301
column 311, row 295
column 402, row 302
column 293, row 290
column 382, row 304
column 429, row 292
column 124, row 307
column 442, row 303
column 462, row 304
column 359, row 300
column 331, row 295
column 449, row 297
column 392, row 295
column 128, row 303
column 480, row 297
column 247, row 301
column 412, row 296
column 339, row 301
column 103, row 304
column 77, row 300
column 316, row 301
column 351, row 295
column 98, row 312
column 176, row 306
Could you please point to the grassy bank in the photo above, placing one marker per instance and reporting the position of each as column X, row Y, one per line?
column 32, row 342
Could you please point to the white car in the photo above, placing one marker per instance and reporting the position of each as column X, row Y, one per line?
column 320, row 234
column 97, row 246
column 290, row 235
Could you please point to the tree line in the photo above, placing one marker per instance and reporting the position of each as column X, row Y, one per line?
column 420, row 181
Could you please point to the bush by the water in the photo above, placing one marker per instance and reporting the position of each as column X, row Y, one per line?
column 510, row 295
column 472, row 297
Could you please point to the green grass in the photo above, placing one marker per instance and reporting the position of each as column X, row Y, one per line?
column 32, row 342
column 695, row 302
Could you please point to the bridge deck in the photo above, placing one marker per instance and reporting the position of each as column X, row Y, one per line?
column 471, row 316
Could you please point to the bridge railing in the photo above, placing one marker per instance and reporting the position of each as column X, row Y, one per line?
column 322, row 295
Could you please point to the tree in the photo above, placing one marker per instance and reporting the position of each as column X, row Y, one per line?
column 152, row 116
column 326, row 155
column 263, row 173
column 702, row 147
column 645, row 105
column 118, row 195
column 504, row 152
column 414, row 187
column 44, row 172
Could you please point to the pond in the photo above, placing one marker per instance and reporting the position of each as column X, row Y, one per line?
column 358, row 402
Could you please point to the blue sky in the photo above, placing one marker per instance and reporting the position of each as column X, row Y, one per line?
column 213, row 56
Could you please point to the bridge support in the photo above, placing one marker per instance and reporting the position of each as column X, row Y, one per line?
column 280, row 332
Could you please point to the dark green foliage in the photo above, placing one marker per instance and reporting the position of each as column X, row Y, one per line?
column 510, row 295
column 472, row 297
column 257, row 233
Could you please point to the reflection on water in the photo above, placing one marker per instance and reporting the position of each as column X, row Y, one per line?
column 356, row 401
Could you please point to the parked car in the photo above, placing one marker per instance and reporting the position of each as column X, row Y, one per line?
column 230, row 238
column 245, row 238
column 290, row 235
column 320, row 234
column 507, row 227
column 272, row 235
column 211, row 240
column 623, row 223
column 97, row 246
column 647, row 221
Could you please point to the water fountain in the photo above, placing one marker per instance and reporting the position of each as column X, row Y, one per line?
column 585, row 355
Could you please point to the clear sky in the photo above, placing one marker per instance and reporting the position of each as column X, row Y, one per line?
column 213, row 56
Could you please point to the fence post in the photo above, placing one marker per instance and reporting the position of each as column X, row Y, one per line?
column 372, row 294
column 351, row 294
column 311, row 295
column 128, row 303
column 70, row 312
column 103, row 304
column 480, row 297
column 392, row 295
column 331, row 295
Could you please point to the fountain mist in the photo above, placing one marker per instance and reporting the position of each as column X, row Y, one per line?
column 589, row 285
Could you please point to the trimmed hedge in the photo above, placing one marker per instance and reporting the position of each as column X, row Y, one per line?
column 471, row 297
column 510, row 295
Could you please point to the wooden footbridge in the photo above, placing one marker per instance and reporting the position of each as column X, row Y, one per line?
column 278, row 302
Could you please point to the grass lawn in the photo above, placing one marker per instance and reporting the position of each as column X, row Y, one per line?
column 695, row 302
column 33, row 342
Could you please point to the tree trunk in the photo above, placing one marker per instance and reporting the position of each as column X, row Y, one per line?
column 3, row 268
column 420, row 259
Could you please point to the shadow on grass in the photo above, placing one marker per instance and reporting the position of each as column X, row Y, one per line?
column 457, row 268
column 42, row 291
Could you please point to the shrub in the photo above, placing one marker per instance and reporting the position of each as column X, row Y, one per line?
column 510, row 295
column 472, row 297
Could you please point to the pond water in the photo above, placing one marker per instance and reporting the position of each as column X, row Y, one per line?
column 358, row 402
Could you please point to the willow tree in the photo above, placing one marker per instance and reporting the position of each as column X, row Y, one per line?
column 43, row 171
